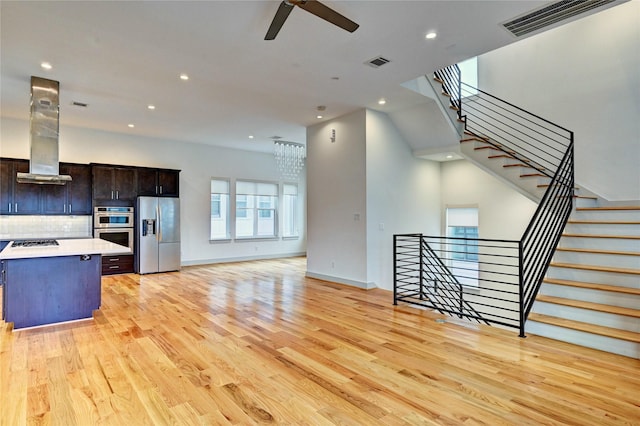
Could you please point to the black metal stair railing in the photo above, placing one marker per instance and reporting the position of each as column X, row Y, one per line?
column 500, row 283
column 451, row 81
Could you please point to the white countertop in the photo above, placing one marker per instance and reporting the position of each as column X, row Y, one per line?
column 70, row 247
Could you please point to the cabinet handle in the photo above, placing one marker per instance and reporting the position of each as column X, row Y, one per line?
column 9, row 207
column 15, row 207
column 69, row 208
column 64, row 208
column 114, row 259
column 114, row 267
column 112, row 195
column 157, row 190
column 117, row 195
column 160, row 189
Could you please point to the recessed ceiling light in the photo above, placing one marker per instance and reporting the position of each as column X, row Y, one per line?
column 382, row 101
column 431, row 35
column 46, row 65
column 184, row 77
column 250, row 136
column 151, row 106
column 318, row 116
column 449, row 156
column 131, row 125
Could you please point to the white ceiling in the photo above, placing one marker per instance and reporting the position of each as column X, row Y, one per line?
column 118, row 57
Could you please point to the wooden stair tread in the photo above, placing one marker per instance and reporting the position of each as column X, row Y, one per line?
column 546, row 185
column 516, row 165
column 438, row 80
column 608, row 208
column 598, row 251
column 596, row 268
column 594, row 286
column 604, row 222
column 532, row 175
column 587, row 328
column 618, row 237
column 589, row 305
column 499, row 156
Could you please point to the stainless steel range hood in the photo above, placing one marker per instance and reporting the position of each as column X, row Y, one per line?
column 44, row 166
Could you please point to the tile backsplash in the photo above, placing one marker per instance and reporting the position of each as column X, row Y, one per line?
column 24, row 227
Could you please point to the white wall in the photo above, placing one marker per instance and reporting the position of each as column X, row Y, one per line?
column 584, row 76
column 403, row 195
column 336, row 203
column 503, row 213
column 198, row 164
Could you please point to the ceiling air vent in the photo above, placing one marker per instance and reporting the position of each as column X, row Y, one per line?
column 553, row 14
column 377, row 62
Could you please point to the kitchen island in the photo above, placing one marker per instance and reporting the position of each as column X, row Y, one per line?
column 46, row 284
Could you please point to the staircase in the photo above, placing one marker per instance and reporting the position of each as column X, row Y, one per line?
column 591, row 294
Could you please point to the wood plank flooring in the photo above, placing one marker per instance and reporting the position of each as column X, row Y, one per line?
column 258, row 343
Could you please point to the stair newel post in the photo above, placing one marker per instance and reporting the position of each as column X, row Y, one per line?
column 395, row 270
column 421, row 241
column 521, row 288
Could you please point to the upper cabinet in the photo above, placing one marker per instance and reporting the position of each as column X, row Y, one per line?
column 74, row 198
column 32, row 199
column 158, row 182
column 18, row 198
column 114, row 183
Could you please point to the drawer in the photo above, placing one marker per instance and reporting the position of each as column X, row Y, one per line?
column 120, row 264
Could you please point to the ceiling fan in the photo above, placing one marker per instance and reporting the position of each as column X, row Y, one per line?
column 311, row 6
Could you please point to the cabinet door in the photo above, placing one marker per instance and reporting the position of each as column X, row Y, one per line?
column 147, row 182
column 168, row 183
column 7, row 177
column 26, row 196
column 54, row 198
column 103, row 183
column 125, row 183
column 79, row 189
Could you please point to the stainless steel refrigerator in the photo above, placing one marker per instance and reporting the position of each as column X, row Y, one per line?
column 158, row 239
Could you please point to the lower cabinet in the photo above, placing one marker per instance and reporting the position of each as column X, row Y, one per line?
column 119, row 264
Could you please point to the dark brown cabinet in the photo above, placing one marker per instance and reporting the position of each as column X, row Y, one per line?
column 120, row 264
column 18, row 198
column 158, row 182
column 114, row 183
column 6, row 186
column 32, row 199
column 74, row 198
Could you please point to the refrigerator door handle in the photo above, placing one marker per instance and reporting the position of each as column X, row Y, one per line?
column 158, row 224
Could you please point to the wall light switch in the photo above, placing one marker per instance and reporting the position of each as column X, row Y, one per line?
column 356, row 216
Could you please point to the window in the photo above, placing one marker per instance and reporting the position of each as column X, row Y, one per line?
column 462, row 251
column 256, row 208
column 290, row 210
column 219, row 209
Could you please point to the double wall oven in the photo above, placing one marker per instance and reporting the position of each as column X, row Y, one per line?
column 114, row 224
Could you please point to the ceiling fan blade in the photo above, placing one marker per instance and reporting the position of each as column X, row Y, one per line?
column 281, row 15
column 328, row 14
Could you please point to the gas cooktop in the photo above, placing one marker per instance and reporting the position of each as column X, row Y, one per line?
column 34, row 243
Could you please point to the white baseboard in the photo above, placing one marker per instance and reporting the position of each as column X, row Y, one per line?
column 240, row 259
column 360, row 284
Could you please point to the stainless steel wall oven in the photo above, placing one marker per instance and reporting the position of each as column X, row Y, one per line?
column 114, row 224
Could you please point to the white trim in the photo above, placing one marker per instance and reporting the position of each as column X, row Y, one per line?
column 241, row 259
column 360, row 284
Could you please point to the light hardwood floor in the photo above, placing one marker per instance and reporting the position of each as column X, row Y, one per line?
column 258, row 343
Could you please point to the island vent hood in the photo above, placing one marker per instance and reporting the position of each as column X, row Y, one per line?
column 44, row 166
